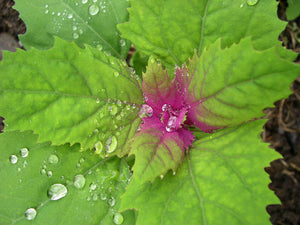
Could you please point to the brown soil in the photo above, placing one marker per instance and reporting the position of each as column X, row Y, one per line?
column 281, row 131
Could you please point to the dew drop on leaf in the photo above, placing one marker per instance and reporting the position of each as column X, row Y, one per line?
column 111, row 201
column 43, row 171
column 111, row 144
column 70, row 16
column 98, row 147
column 145, row 111
column 79, row 181
column 84, row 1
column 103, row 196
column 53, row 159
column 24, row 152
column 93, row 186
column 252, row 2
column 93, row 10
column 113, row 110
column 13, row 159
column 75, row 35
column 116, row 74
column 30, row 214
column 95, row 197
column 57, row 191
column 118, row 218
column 49, row 173
column 122, row 42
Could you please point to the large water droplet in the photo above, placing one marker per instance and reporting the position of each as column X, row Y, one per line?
column 98, row 147
column 49, row 173
column 57, row 191
column 53, row 159
column 13, row 159
column 24, row 152
column 118, row 218
column 111, row 144
column 79, row 181
column 252, row 2
column 93, row 10
column 145, row 111
column 70, row 16
column 30, row 214
column 171, row 125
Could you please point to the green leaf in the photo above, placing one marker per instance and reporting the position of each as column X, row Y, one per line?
column 74, row 20
column 222, row 179
column 293, row 9
column 172, row 29
column 25, row 184
column 237, row 83
column 69, row 94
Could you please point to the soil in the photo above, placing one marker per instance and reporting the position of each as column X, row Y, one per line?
column 281, row 131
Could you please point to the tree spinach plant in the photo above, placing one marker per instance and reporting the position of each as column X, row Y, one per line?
column 172, row 139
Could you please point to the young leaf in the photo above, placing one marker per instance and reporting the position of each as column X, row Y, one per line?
column 87, row 188
column 217, row 182
column 172, row 29
column 233, row 85
column 68, row 94
column 85, row 22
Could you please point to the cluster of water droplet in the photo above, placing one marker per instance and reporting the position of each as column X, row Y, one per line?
column 14, row 159
column 51, row 160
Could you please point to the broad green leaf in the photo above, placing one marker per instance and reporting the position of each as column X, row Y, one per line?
column 84, row 21
column 25, row 183
column 221, row 181
column 69, row 94
column 172, row 29
column 232, row 85
column 293, row 9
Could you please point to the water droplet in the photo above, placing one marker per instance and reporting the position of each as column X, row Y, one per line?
column 57, row 191
column 161, row 176
column 49, row 173
column 70, row 16
column 118, row 218
column 242, row 5
column 84, row 1
column 103, row 196
column 30, row 214
column 99, row 47
column 58, row 14
column 93, row 10
column 46, row 6
column 74, row 28
column 95, row 197
column 122, row 42
column 98, row 147
column 111, row 201
column 24, row 152
column 174, row 173
column 75, row 35
column 145, row 111
column 171, row 125
column 80, row 31
column 111, row 144
column 113, row 110
column 97, row 100
column 116, row 74
column 13, row 159
column 79, row 181
column 252, row 2
column 81, row 160
column 93, row 186
column 165, row 107
column 46, row 11
column 53, row 159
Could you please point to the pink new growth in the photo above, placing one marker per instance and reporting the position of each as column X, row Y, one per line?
column 169, row 109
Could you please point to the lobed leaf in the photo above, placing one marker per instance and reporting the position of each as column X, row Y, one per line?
column 68, row 94
column 172, row 29
column 217, row 182
column 85, row 22
column 28, row 180
column 233, row 85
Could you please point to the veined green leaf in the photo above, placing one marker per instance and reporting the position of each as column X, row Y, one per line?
column 69, row 94
column 218, row 181
column 85, row 22
column 173, row 29
column 90, row 186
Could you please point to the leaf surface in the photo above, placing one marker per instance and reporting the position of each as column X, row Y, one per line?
column 233, row 85
column 74, row 95
column 172, row 29
column 29, row 179
column 85, row 22
column 218, row 181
